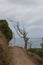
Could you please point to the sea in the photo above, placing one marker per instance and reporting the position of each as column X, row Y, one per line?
column 35, row 42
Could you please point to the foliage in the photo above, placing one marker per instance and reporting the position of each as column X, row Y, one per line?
column 4, row 28
column 38, row 51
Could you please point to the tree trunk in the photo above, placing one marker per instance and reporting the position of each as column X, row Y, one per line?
column 26, row 45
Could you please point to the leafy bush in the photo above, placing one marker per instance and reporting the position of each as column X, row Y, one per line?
column 4, row 28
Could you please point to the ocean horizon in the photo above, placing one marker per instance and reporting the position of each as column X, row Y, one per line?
column 20, row 42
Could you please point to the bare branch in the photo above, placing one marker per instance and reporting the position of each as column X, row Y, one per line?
column 20, row 30
column 22, row 33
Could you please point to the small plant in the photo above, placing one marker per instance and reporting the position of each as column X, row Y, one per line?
column 41, row 44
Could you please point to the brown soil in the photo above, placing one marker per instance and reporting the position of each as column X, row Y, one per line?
column 18, row 56
column 3, row 50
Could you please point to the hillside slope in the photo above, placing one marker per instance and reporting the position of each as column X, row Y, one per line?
column 3, row 50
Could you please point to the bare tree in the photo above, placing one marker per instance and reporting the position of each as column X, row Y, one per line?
column 30, row 45
column 22, row 33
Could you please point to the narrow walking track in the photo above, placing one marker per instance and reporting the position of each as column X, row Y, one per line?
column 18, row 56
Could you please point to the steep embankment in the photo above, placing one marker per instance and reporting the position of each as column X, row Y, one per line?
column 18, row 56
column 3, row 50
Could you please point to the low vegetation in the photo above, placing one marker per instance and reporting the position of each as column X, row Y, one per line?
column 37, row 51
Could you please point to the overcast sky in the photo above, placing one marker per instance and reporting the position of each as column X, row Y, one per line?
column 28, row 12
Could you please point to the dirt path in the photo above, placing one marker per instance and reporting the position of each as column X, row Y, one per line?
column 18, row 56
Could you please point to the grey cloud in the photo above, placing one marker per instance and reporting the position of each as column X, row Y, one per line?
column 35, row 31
column 27, row 2
column 38, row 22
column 27, row 12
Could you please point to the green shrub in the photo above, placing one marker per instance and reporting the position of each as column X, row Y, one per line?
column 4, row 28
column 38, row 51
